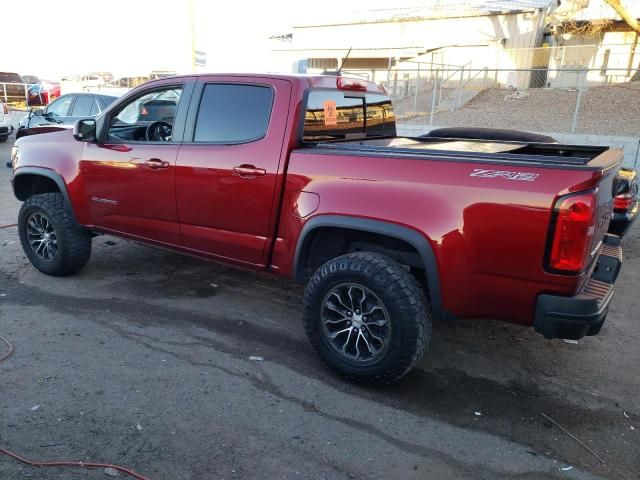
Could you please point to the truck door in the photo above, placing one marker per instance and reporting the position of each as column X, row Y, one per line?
column 129, row 175
column 227, row 166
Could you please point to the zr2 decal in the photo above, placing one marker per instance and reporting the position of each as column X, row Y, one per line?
column 522, row 176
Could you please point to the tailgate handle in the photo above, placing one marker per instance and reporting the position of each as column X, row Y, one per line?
column 249, row 171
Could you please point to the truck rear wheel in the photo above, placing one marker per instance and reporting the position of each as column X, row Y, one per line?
column 367, row 317
column 54, row 243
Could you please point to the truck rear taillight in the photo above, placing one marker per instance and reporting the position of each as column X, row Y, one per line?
column 622, row 203
column 572, row 233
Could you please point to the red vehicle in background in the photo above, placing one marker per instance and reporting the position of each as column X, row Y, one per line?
column 43, row 93
column 305, row 177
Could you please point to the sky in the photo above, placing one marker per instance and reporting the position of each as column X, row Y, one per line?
column 132, row 37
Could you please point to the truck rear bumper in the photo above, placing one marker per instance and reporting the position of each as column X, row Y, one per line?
column 583, row 314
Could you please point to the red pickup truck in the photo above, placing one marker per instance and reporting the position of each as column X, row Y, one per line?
column 304, row 176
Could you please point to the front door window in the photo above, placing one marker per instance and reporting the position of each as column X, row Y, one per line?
column 148, row 118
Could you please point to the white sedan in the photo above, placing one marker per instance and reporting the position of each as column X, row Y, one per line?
column 5, row 123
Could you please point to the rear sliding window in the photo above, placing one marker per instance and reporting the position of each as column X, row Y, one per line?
column 336, row 115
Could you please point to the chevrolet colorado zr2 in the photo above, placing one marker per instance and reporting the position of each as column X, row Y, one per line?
column 305, row 177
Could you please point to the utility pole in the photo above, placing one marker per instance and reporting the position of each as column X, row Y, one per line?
column 193, row 36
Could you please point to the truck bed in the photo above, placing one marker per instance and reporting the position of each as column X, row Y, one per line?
column 554, row 155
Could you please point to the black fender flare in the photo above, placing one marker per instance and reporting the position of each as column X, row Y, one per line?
column 380, row 227
column 48, row 173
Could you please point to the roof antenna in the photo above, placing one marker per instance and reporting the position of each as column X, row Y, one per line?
column 344, row 60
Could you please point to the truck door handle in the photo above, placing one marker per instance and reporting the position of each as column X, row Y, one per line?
column 249, row 171
column 156, row 164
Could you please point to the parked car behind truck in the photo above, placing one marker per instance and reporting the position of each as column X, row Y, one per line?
column 304, row 176
column 66, row 109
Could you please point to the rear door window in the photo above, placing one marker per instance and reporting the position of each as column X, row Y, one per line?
column 235, row 113
column 82, row 107
column 95, row 108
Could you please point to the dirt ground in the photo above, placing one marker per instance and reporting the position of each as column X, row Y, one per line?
column 612, row 110
column 143, row 360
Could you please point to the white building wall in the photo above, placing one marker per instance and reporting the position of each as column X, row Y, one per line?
column 518, row 30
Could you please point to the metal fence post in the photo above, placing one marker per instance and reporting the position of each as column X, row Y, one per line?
column 577, row 110
column 4, row 89
column 459, row 99
column 415, row 95
column 433, row 99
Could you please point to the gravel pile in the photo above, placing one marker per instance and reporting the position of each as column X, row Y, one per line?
column 613, row 110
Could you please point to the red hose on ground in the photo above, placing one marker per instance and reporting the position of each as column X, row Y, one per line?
column 34, row 463
column 72, row 464
column 7, row 226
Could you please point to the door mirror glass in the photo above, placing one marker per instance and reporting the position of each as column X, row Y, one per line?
column 38, row 112
column 84, row 130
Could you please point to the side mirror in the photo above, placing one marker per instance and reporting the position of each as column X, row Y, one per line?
column 39, row 112
column 84, row 130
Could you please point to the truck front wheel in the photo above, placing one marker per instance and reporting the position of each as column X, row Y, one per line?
column 54, row 243
column 367, row 317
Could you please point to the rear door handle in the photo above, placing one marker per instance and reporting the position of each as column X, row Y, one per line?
column 156, row 164
column 249, row 171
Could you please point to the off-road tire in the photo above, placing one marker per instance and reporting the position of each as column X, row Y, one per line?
column 402, row 297
column 73, row 241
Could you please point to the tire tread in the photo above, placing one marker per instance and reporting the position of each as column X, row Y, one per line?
column 76, row 249
column 403, row 286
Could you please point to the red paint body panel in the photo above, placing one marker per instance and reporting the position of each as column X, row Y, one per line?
column 489, row 235
column 224, row 211
column 479, row 228
column 144, row 198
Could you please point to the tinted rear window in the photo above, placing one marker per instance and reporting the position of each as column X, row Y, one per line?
column 333, row 114
column 233, row 113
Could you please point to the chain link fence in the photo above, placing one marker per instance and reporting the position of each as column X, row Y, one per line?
column 574, row 104
column 591, row 89
column 570, row 100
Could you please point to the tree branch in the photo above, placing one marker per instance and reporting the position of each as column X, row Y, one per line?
column 625, row 14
